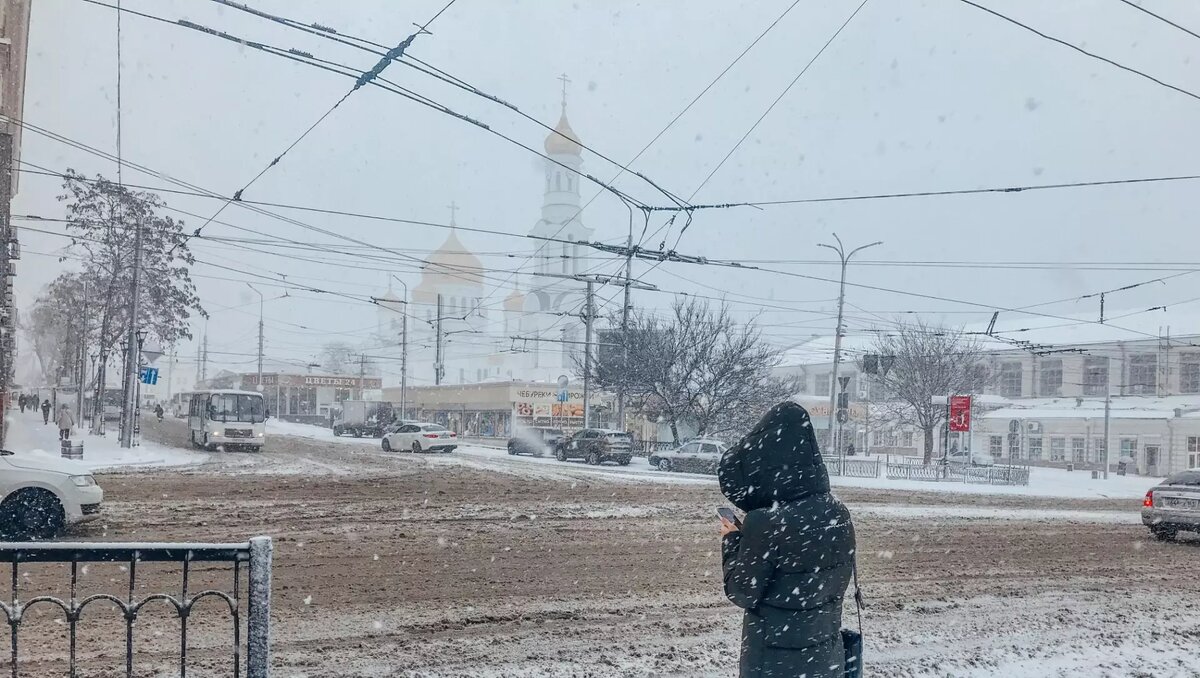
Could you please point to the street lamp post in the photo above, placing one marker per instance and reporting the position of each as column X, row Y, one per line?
column 837, row 335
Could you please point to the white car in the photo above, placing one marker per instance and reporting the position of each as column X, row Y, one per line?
column 44, row 494
column 697, row 456
column 980, row 458
column 419, row 437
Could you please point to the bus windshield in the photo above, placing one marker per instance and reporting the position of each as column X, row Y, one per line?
column 236, row 407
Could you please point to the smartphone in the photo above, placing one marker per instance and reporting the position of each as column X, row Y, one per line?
column 728, row 514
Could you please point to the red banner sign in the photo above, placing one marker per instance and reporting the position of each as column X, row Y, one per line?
column 960, row 414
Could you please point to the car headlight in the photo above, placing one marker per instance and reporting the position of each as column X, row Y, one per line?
column 216, row 432
column 82, row 481
column 260, row 435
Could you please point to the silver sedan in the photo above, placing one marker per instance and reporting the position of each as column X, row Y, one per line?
column 1173, row 506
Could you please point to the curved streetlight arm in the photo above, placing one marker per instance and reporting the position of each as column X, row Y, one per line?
column 859, row 249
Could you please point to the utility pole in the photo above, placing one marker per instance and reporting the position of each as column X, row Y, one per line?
column 260, row 336
column 204, row 355
column 404, row 355
column 362, row 374
column 133, row 355
column 625, row 331
column 587, row 356
column 171, row 371
column 438, row 367
column 1107, row 447
column 83, row 372
column 837, row 334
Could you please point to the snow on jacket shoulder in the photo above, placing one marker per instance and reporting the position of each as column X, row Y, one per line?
column 791, row 563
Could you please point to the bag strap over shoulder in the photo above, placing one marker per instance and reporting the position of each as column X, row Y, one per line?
column 858, row 596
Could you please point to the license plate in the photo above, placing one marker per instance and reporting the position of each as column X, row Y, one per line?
column 1192, row 504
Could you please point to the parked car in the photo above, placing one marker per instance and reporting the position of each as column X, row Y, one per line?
column 42, row 495
column 697, row 456
column 537, row 441
column 419, row 437
column 980, row 458
column 1173, row 506
column 596, row 446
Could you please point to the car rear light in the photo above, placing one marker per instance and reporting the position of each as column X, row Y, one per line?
column 453, row 434
column 431, row 435
column 1149, row 500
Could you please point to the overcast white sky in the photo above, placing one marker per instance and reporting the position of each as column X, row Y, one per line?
column 913, row 96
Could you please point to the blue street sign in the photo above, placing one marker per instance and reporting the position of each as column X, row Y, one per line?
column 562, row 395
column 149, row 375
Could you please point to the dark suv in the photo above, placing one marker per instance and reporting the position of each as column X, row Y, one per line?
column 536, row 441
column 597, row 445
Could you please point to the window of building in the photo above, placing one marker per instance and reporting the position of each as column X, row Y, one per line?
column 1098, row 452
column 821, row 387
column 1010, row 380
column 1193, row 448
column 1189, row 373
column 1050, row 377
column 1014, row 446
column 1058, row 449
column 1035, row 448
column 906, row 438
column 1143, row 374
column 1079, row 450
column 996, row 446
column 1095, row 376
column 1128, row 448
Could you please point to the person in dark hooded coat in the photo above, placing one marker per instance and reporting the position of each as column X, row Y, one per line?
column 790, row 563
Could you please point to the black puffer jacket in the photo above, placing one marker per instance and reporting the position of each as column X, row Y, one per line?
column 790, row 565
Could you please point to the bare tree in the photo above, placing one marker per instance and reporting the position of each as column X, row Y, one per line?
column 929, row 361
column 338, row 357
column 696, row 366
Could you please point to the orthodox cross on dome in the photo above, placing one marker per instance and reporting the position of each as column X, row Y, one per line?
column 453, row 207
column 565, row 80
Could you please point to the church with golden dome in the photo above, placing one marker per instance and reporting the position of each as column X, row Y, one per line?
column 479, row 319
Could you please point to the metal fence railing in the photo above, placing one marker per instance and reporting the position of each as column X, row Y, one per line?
column 253, row 556
column 958, row 473
column 643, row 448
column 852, row 467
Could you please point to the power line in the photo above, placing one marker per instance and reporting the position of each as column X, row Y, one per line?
column 973, row 191
column 1064, row 43
column 1160, row 18
column 778, row 99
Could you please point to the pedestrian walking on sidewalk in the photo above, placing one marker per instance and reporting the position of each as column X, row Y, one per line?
column 65, row 421
column 45, row 411
column 21, row 402
column 790, row 561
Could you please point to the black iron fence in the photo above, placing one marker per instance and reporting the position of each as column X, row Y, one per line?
column 643, row 448
column 853, row 467
column 253, row 558
column 959, row 473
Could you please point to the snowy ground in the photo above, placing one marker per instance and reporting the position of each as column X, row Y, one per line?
column 28, row 435
column 476, row 564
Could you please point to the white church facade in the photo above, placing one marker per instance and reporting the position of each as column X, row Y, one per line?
column 479, row 320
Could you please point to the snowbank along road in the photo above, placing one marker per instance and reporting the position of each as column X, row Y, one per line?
column 482, row 565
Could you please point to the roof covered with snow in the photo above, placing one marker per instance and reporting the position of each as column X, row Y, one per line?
column 1132, row 407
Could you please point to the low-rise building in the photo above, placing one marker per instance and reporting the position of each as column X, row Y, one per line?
column 494, row 409
column 304, row 397
column 1152, row 436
